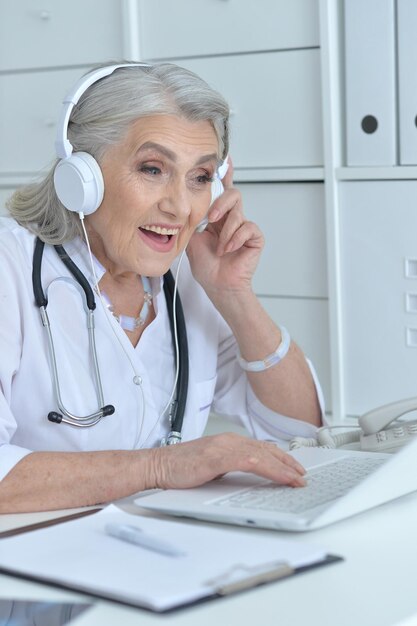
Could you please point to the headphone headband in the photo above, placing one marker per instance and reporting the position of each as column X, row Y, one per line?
column 63, row 146
column 78, row 179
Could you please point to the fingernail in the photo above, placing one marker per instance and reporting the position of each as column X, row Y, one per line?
column 299, row 479
column 214, row 215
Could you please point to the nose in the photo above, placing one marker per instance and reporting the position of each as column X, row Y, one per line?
column 176, row 200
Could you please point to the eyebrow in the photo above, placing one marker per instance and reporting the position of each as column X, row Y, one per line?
column 151, row 145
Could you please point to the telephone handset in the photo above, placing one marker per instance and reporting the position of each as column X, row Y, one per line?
column 376, row 433
column 379, row 430
column 216, row 191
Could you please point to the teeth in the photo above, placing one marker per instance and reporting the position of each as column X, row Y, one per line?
column 161, row 231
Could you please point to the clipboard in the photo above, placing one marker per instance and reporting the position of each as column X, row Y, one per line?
column 216, row 562
column 18, row 522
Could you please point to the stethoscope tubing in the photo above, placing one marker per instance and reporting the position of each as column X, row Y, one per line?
column 42, row 302
column 93, row 418
column 178, row 333
column 177, row 418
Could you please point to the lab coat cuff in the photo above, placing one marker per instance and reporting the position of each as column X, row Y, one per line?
column 319, row 391
column 10, row 455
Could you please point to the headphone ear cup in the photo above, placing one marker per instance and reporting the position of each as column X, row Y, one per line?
column 216, row 189
column 79, row 183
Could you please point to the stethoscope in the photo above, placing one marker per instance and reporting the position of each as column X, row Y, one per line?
column 178, row 333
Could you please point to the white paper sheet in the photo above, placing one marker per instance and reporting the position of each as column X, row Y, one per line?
column 80, row 555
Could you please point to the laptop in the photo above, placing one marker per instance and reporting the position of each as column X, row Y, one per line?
column 340, row 483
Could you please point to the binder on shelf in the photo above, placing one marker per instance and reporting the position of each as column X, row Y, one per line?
column 80, row 556
column 370, row 83
column 407, row 84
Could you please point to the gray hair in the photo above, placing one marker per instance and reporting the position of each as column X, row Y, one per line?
column 102, row 117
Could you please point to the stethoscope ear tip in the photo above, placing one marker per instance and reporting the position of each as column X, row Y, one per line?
column 55, row 417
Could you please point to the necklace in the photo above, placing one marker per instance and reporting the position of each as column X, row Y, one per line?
column 126, row 321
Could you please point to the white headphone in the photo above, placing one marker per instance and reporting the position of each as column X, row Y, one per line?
column 78, row 179
column 216, row 191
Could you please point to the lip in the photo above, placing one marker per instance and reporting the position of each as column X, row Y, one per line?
column 155, row 245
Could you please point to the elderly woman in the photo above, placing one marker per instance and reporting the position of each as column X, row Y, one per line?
column 150, row 140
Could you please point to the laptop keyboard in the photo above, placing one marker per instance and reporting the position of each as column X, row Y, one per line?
column 324, row 484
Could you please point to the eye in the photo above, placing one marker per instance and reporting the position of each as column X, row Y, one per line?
column 150, row 169
column 204, row 178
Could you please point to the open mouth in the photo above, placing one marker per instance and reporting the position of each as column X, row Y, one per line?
column 158, row 236
column 161, row 237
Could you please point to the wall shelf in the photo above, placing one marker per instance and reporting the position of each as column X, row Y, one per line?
column 279, row 174
column 400, row 172
column 15, row 180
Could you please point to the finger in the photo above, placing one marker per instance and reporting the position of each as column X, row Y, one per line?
column 292, row 473
column 295, row 469
column 248, row 234
column 228, row 232
column 297, row 481
column 274, row 470
column 229, row 199
column 286, row 458
column 291, row 462
column 265, row 459
column 229, row 218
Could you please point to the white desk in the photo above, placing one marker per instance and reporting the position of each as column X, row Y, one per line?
column 374, row 586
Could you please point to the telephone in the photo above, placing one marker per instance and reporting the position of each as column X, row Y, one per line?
column 378, row 436
column 379, row 430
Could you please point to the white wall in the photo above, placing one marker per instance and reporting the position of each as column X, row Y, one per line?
column 281, row 66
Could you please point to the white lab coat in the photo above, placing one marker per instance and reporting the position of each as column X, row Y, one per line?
column 216, row 382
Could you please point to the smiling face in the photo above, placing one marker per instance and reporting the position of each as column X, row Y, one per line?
column 157, row 188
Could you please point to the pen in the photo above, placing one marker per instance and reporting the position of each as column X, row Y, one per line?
column 135, row 535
